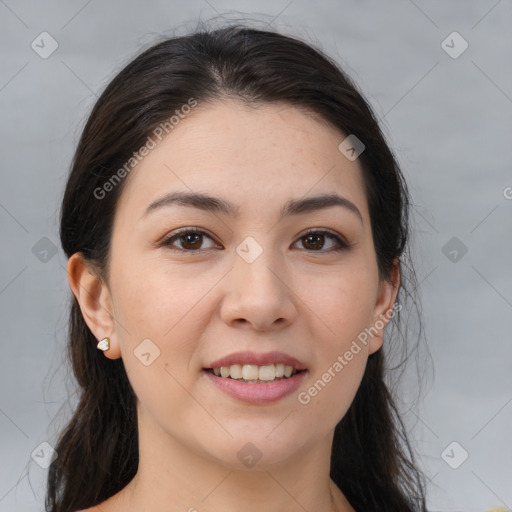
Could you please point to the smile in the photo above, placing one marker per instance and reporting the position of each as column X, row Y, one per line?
column 256, row 391
column 254, row 373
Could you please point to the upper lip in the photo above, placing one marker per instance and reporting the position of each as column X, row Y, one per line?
column 258, row 359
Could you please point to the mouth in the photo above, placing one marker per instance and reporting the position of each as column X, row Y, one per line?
column 255, row 374
column 256, row 384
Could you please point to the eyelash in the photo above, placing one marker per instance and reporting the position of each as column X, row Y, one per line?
column 167, row 242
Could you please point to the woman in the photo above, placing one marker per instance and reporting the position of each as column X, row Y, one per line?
column 236, row 228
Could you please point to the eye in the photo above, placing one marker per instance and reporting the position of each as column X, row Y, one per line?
column 191, row 240
column 315, row 239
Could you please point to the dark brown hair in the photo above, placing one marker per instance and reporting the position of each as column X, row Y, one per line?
column 371, row 462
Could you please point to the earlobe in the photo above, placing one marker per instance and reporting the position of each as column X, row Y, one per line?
column 93, row 297
column 385, row 307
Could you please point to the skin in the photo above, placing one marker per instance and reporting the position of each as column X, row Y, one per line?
column 297, row 297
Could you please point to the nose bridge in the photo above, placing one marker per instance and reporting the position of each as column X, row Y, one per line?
column 257, row 263
column 257, row 291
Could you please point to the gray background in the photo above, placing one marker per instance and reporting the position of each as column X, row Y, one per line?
column 449, row 121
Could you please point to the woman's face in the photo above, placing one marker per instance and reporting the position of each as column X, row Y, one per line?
column 251, row 281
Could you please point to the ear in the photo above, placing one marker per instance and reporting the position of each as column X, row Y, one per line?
column 95, row 302
column 384, row 307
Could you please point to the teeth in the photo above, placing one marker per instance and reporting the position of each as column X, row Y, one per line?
column 235, row 371
column 267, row 372
column 252, row 372
column 249, row 372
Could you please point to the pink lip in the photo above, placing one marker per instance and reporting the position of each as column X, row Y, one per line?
column 257, row 359
column 256, row 393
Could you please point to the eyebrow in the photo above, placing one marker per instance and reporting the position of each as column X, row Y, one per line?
column 212, row 204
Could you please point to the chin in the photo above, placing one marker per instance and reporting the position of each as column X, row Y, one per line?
column 256, row 450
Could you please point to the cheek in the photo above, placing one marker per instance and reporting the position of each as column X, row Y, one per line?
column 158, row 331
column 339, row 367
column 343, row 300
column 154, row 300
column 166, row 306
column 328, row 395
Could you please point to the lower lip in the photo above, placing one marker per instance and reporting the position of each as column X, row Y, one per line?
column 255, row 393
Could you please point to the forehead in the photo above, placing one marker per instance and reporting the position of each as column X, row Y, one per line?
column 251, row 155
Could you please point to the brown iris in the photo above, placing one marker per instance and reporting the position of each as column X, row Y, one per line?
column 315, row 236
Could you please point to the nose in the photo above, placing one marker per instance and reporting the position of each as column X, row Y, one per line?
column 258, row 294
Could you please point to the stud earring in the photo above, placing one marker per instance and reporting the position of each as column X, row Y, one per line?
column 104, row 344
